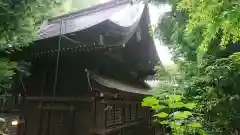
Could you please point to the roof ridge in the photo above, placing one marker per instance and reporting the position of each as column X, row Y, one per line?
column 89, row 10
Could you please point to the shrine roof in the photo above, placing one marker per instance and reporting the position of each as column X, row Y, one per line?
column 143, row 89
column 117, row 30
column 121, row 13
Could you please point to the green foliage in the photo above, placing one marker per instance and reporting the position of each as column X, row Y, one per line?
column 20, row 21
column 150, row 101
column 197, row 24
column 172, row 111
column 6, row 73
column 214, row 17
column 161, row 115
column 199, row 33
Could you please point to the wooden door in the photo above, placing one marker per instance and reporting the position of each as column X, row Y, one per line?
column 54, row 122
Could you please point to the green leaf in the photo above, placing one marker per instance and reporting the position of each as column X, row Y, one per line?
column 182, row 115
column 150, row 101
column 161, row 115
column 202, row 132
column 163, row 101
column 175, row 98
column 176, row 105
column 190, row 105
column 195, row 125
column 175, row 124
column 158, row 107
column 164, row 122
column 9, row 73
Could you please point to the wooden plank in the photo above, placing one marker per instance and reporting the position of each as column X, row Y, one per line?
column 93, row 114
column 119, row 102
column 57, row 108
column 99, row 125
column 81, row 99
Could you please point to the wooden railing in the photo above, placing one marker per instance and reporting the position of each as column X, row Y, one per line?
column 119, row 115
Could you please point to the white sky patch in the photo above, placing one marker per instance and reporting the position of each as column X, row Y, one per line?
column 104, row 1
column 155, row 15
column 164, row 54
column 157, row 11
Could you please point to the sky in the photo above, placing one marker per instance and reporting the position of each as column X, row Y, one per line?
column 155, row 15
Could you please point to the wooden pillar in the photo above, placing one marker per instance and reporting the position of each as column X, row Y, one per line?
column 99, row 127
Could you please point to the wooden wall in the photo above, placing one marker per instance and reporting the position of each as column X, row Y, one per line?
column 75, row 109
column 71, row 79
column 57, row 118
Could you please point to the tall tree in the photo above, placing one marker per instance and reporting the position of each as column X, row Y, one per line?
column 202, row 35
column 19, row 23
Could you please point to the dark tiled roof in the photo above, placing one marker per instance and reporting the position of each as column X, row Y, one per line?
column 114, row 84
column 87, row 18
column 85, row 28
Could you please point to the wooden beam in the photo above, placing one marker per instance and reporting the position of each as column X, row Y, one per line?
column 81, row 99
column 120, row 102
column 57, row 108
